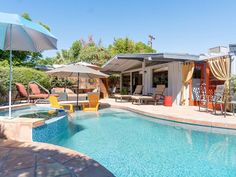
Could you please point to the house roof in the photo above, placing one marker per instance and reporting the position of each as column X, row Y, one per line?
column 124, row 62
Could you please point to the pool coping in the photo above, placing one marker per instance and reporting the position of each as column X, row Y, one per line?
column 205, row 123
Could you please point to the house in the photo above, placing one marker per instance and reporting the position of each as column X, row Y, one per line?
column 152, row 69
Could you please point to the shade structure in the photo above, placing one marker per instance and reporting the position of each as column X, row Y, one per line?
column 17, row 33
column 75, row 70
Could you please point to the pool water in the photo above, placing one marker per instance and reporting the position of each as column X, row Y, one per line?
column 33, row 112
column 132, row 145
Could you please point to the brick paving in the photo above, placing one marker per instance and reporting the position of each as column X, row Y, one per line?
column 32, row 159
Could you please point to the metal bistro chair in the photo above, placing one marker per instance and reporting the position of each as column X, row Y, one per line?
column 219, row 98
column 232, row 97
column 203, row 98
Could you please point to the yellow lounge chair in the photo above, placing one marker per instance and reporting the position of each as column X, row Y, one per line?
column 55, row 104
column 92, row 105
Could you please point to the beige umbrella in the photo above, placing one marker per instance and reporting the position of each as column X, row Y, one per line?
column 75, row 70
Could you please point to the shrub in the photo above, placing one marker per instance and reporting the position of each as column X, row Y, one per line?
column 22, row 75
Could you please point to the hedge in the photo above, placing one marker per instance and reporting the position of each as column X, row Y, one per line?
column 22, row 75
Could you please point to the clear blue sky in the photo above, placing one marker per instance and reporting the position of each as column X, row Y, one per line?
column 189, row 26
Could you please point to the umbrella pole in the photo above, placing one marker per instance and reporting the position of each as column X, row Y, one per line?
column 10, row 72
column 78, row 91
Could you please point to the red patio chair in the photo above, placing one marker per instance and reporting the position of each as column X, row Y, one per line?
column 35, row 91
column 21, row 92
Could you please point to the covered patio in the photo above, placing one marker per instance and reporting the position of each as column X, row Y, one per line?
column 150, row 70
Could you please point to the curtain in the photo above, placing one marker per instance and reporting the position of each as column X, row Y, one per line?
column 220, row 69
column 187, row 73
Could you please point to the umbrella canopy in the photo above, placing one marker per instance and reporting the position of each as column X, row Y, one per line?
column 17, row 33
column 25, row 35
column 73, row 70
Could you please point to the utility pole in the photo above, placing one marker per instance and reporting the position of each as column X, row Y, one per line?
column 151, row 38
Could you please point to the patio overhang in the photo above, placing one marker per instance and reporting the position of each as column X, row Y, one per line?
column 124, row 62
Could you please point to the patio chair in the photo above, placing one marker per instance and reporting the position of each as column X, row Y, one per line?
column 218, row 98
column 92, row 105
column 21, row 92
column 232, row 96
column 138, row 91
column 55, row 104
column 156, row 97
column 112, row 91
column 203, row 98
column 35, row 93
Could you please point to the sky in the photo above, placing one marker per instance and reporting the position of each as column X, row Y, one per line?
column 180, row 26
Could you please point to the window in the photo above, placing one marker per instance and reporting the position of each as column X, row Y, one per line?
column 159, row 77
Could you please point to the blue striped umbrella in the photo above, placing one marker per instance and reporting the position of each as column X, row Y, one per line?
column 17, row 33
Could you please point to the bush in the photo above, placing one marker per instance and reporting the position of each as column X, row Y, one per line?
column 22, row 75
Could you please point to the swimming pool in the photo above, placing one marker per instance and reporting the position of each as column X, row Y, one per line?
column 129, row 144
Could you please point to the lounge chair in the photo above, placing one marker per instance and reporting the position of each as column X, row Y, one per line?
column 138, row 91
column 112, row 92
column 156, row 97
column 35, row 92
column 92, row 105
column 21, row 92
column 55, row 104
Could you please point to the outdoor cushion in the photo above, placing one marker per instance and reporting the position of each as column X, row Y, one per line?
column 39, row 96
column 58, row 90
column 69, row 91
column 21, row 89
column 35, row 89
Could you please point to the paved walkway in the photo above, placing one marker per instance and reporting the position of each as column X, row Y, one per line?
column 186, row 114
column 18, row 159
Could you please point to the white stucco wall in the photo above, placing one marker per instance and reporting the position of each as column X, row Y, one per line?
column 174, row 80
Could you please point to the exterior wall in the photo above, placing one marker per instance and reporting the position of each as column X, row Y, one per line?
column 174, row 80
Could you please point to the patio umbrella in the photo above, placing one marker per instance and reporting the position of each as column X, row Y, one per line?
column 75, row 70
column 17, row 33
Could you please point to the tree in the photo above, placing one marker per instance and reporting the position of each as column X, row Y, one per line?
column 126, row 45
column 45, row 26
column 26, row 16
column 75, row 50
column 94, row 54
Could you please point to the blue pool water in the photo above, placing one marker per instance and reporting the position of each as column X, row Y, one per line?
column 132, row 145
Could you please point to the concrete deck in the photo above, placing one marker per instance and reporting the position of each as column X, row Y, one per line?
column 44, row 160
column 182, row 114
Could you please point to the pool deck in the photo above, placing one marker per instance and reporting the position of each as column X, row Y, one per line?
column 182, row 114
column 40, row 160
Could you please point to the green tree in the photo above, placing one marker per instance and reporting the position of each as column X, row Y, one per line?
column 26, row 16
column 45, row 26
column 126, row 45
column 75, row 50
column 94, row 54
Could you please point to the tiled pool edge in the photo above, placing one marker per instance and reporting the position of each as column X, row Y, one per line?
column 179, row 120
